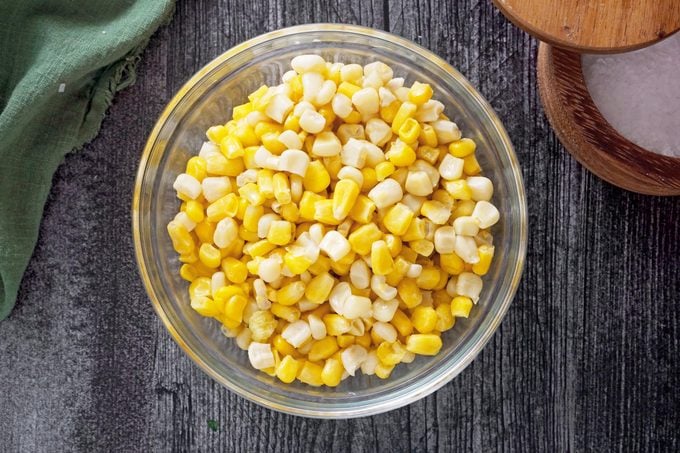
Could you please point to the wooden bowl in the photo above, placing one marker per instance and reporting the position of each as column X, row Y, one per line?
column 590, row 138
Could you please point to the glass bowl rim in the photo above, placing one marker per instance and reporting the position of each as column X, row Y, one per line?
column 413, row 392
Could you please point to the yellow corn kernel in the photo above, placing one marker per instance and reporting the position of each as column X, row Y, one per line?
column 323, row 349
column 327, row 112
column 216, row 133
column 370, row 179
column 458, row 189
column 445, row 319
column 394, row 244
column 348, row 89
column 280, row 232
column 251, row 216
column 363, row 237
column 241, row 111
column 353, row 118
column 259, row 248
column 451, row 263
column 182, row 241
column 443, row 280
column 246, row 135
column 485, row 253
column 194, row 210
column 257, row 94
column 224, row 207
column 331, row 375
column 233, row 308
column 253, row 265
column 310, row 374
column 265, row 127
column 406, row 110
column 428, row 137
column 390, row 353
column 415, row 230
column 187, row 272
column 408, row 254
column 364, row 340
column 424, row 319
column 401, row 154
column 205, row 306
column 341, row 267
column 291, row 293
column 282, row 188
column 201, row 286
column 319, row 288
column 428, row 278
column 345, row 341
column 290, row 212
column 383, row 170
column 461, row 306
column 402, row 323
column 344, row 196
column 205, row 231
column 231, row 147
column 234, row 270
column 189, row 258
column 381, row 258
column 297, row 264
column 265, row 182
column 336, row 324
column 333, row 164
column 296, row 87
column 422, row 247
column 250, row 193
column 249, row 157
column 397, row 219
column 209, row 256
column 248, row 236
column 462, row 148
column 389, row 112
column 288, row 369
column 316, row 178
column 307, row 204
column 271, row 142
column 409, row 131
column 323, row 212
column 197, row 167
column 288, row 313
column 292, row 123
column 409, row 293
column 420, row 93
column 322, row 264
column 363, row 210
column 463, row 208
column 283, row 347
column 471, row 166
column 383, row 371
column 424, row 344
column 220, row 165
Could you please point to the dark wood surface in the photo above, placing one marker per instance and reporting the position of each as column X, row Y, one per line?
column 586, row 359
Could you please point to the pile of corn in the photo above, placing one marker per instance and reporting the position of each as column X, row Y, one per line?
column 337, row 223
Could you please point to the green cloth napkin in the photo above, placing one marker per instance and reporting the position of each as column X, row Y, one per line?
column 61, row 62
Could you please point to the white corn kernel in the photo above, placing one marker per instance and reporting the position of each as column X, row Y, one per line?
column 294, row 161
column 374, row 154
column 347, row 131
column 372, row 80
column 384, row 310
column 413, row 202
column 486, row 213
column 187, row 185
column 243, row 339
column 265, row 159
column 480, row 187
column 359, row 274
column 408, row 357
column 466, row 225
column 269, row 269
column 429, row 111
column 335, row 245
column 278, row 108
column 484, row 238
column 342, row 105
column 312, row 122
column 386, row 193
column 378, row 131
column 326, row 93
column 370, row 362
column 260, row 289
column 451, row 167
column 306, row 305
column 351, row 173
column 308, row 63
column 432, row 173
column 445, row 240
column 226, row 231
column 351, row 72
column 353, row 357
column 260, row 355
column 357, row 307
column 296, row 187
column 288, row 76
column 354, row 153
column 230, row 333
column 447, row 131
column 382, row 289
column 208, row 149
column 414, row 270
column 255, row 117
column 316, row 232
column 466, row 249
column 451, row 286
column 301, row 106
column 290, row 139
column 469, row 285
column 326, row 144
column 316, row 326
column 297, row 333
column 339, row 295
column 183, row 219
column 385, row 331
column 386, row 96
column 401, row 93
column 366, row 101
column 217, row 281
column 311, row 84
column 395, row 83
column 418, row 183
column 247, row 176
column 264, row 223
column 357, row 328
column 381, row 69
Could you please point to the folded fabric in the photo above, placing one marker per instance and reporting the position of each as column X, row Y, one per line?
column 62, row 62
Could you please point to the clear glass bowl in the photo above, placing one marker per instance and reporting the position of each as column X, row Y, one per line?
column 206, row 100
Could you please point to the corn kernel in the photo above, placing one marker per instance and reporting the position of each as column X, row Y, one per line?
column 319, row 288
column 310, row 374
column 383, row 371
column 409, row 131
column 461, row 306
column 381, row 258
column 398, row 219
column 291, row 293
column 401, row 154
column 363, row 237
column 345, row 195
column 287, row 370
column 390, row 353
column 289, row 313
column 363, row 210
column 331, row 375
column 462, row 148
column 406, row 110
column 409, row 292
column 445, row 319
column 424, row 344
column 424, row 319
column 323, row 349
column 197, row 167
column 402, row 323
column 420, row 93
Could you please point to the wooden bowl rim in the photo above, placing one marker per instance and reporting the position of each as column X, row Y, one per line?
column 661, row 173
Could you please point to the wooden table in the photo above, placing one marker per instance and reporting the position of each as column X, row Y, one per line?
column 587, row 357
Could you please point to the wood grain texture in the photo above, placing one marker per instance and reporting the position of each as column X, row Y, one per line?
column 590, row 138
column 587, row 26
column 586, row 358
